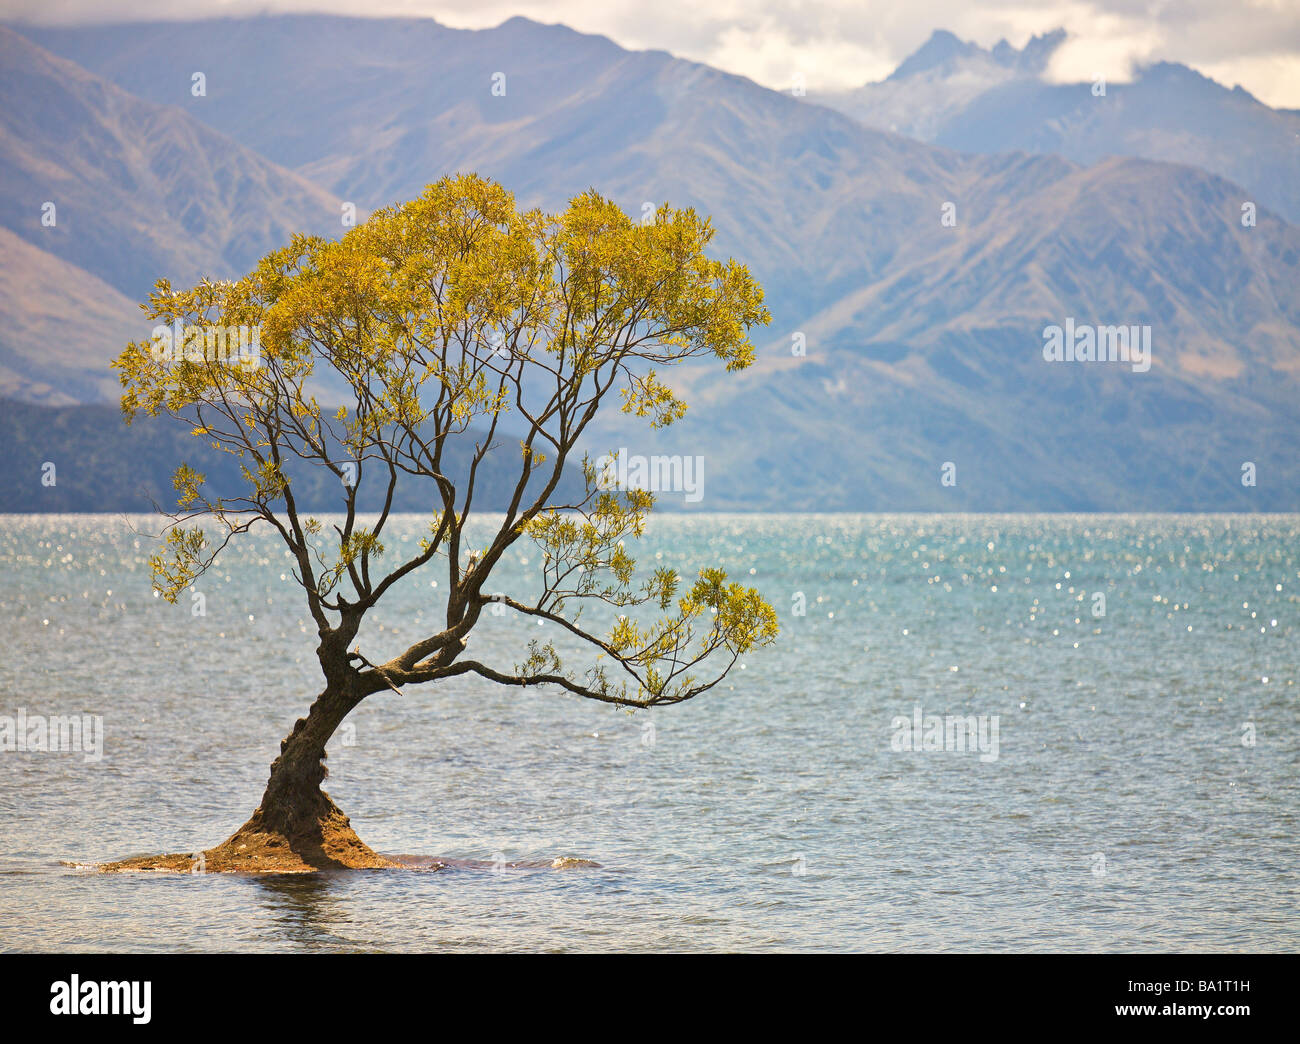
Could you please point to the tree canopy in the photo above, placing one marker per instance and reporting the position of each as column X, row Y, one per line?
column 457, row 316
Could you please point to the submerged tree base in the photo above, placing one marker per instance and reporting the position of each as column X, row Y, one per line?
column 256, row 848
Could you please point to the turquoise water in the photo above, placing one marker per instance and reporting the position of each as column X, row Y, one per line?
column 1143, row 795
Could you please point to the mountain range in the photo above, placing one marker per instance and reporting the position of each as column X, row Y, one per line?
column 957, row 94
column 910, row 275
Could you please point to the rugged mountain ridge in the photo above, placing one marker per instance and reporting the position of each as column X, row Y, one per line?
column 917, row 279
column 956, row 94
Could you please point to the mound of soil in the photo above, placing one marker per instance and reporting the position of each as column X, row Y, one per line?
column 329, row 844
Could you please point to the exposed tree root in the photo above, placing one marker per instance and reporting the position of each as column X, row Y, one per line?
column 262, row 846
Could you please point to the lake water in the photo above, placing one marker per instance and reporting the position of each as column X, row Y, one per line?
column 1143, row 796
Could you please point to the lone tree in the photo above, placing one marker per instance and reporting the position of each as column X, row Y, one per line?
column 436, row 319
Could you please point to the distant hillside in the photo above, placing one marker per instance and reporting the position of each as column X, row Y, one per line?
column 59, row 327
column 965, row 97
column 375, row 109
column 103, row 465
column 141, row 190
column 916, row 280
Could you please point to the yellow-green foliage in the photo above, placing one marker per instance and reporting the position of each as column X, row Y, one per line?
column 437, row 315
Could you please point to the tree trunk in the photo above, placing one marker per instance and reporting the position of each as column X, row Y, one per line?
column 293, row 803
column 297, row 826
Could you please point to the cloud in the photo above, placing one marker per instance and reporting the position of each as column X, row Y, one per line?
column 836, row 44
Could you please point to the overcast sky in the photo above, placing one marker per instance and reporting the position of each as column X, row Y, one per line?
column 841, row 43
